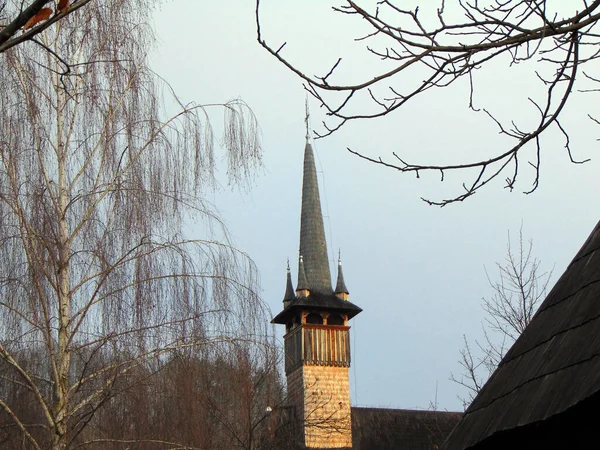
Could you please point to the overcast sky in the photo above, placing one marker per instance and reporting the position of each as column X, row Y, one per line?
column 417, row 271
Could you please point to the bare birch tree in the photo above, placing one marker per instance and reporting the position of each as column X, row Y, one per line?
column 416, row 47
column 98, row 283
column 518, row 290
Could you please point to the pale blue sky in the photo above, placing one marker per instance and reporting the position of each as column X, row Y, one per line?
column 417, row 271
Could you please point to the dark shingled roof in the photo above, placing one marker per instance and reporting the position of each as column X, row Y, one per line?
column 313, row 247
column 313, row 266
column 551, row 369
column 400, row 429
column 375, row 429
column 316, row 301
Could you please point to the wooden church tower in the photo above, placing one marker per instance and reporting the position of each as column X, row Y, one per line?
column 317, row 340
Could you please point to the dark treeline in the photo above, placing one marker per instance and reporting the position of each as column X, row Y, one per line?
column 219, row 397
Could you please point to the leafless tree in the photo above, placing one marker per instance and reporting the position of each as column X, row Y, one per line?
column 434, row 45
column 518, row 291
column 99, row 285
column 242, row 386
column 214, row 397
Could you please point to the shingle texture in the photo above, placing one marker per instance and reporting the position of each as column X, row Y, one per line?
column 400, row 429
column 377, row 429
column 313, row 266
column 313, row 247
column 552, row 368
column 316, row 301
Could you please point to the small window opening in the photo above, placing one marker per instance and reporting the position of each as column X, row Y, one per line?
column 335, row 319
column 314, row 318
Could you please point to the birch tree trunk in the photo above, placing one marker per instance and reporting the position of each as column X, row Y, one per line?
column 99, row 285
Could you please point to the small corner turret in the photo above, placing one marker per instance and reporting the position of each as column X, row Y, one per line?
column 341, row 291
column 302, row 290
column 289, row 288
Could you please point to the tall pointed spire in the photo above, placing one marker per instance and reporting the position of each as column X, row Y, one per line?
column 313, row 247
column 314, row 291
column 317, row 339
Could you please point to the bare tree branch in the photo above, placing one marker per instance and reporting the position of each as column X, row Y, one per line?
column 423, row 48
column 101, row 287
column 518, row 291
column 8, row 35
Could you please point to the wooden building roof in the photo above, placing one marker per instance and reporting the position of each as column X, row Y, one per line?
column 551, row 371
column 314, row 275
column 316, row 302
column 373, row 429
column 313, row 247
column 400, row 429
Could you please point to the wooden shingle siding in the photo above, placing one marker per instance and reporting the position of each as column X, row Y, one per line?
column 326, row 412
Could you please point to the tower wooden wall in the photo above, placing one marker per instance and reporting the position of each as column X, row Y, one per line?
column 317, row 339
column 317, row 365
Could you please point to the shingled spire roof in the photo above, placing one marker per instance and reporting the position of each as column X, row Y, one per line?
column 313, row 290
column 313, row 247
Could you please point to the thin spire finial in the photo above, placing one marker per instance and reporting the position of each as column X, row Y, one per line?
column 306, row 119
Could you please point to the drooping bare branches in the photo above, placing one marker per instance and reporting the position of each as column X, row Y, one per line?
column 100, row 288
column 426, row 47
